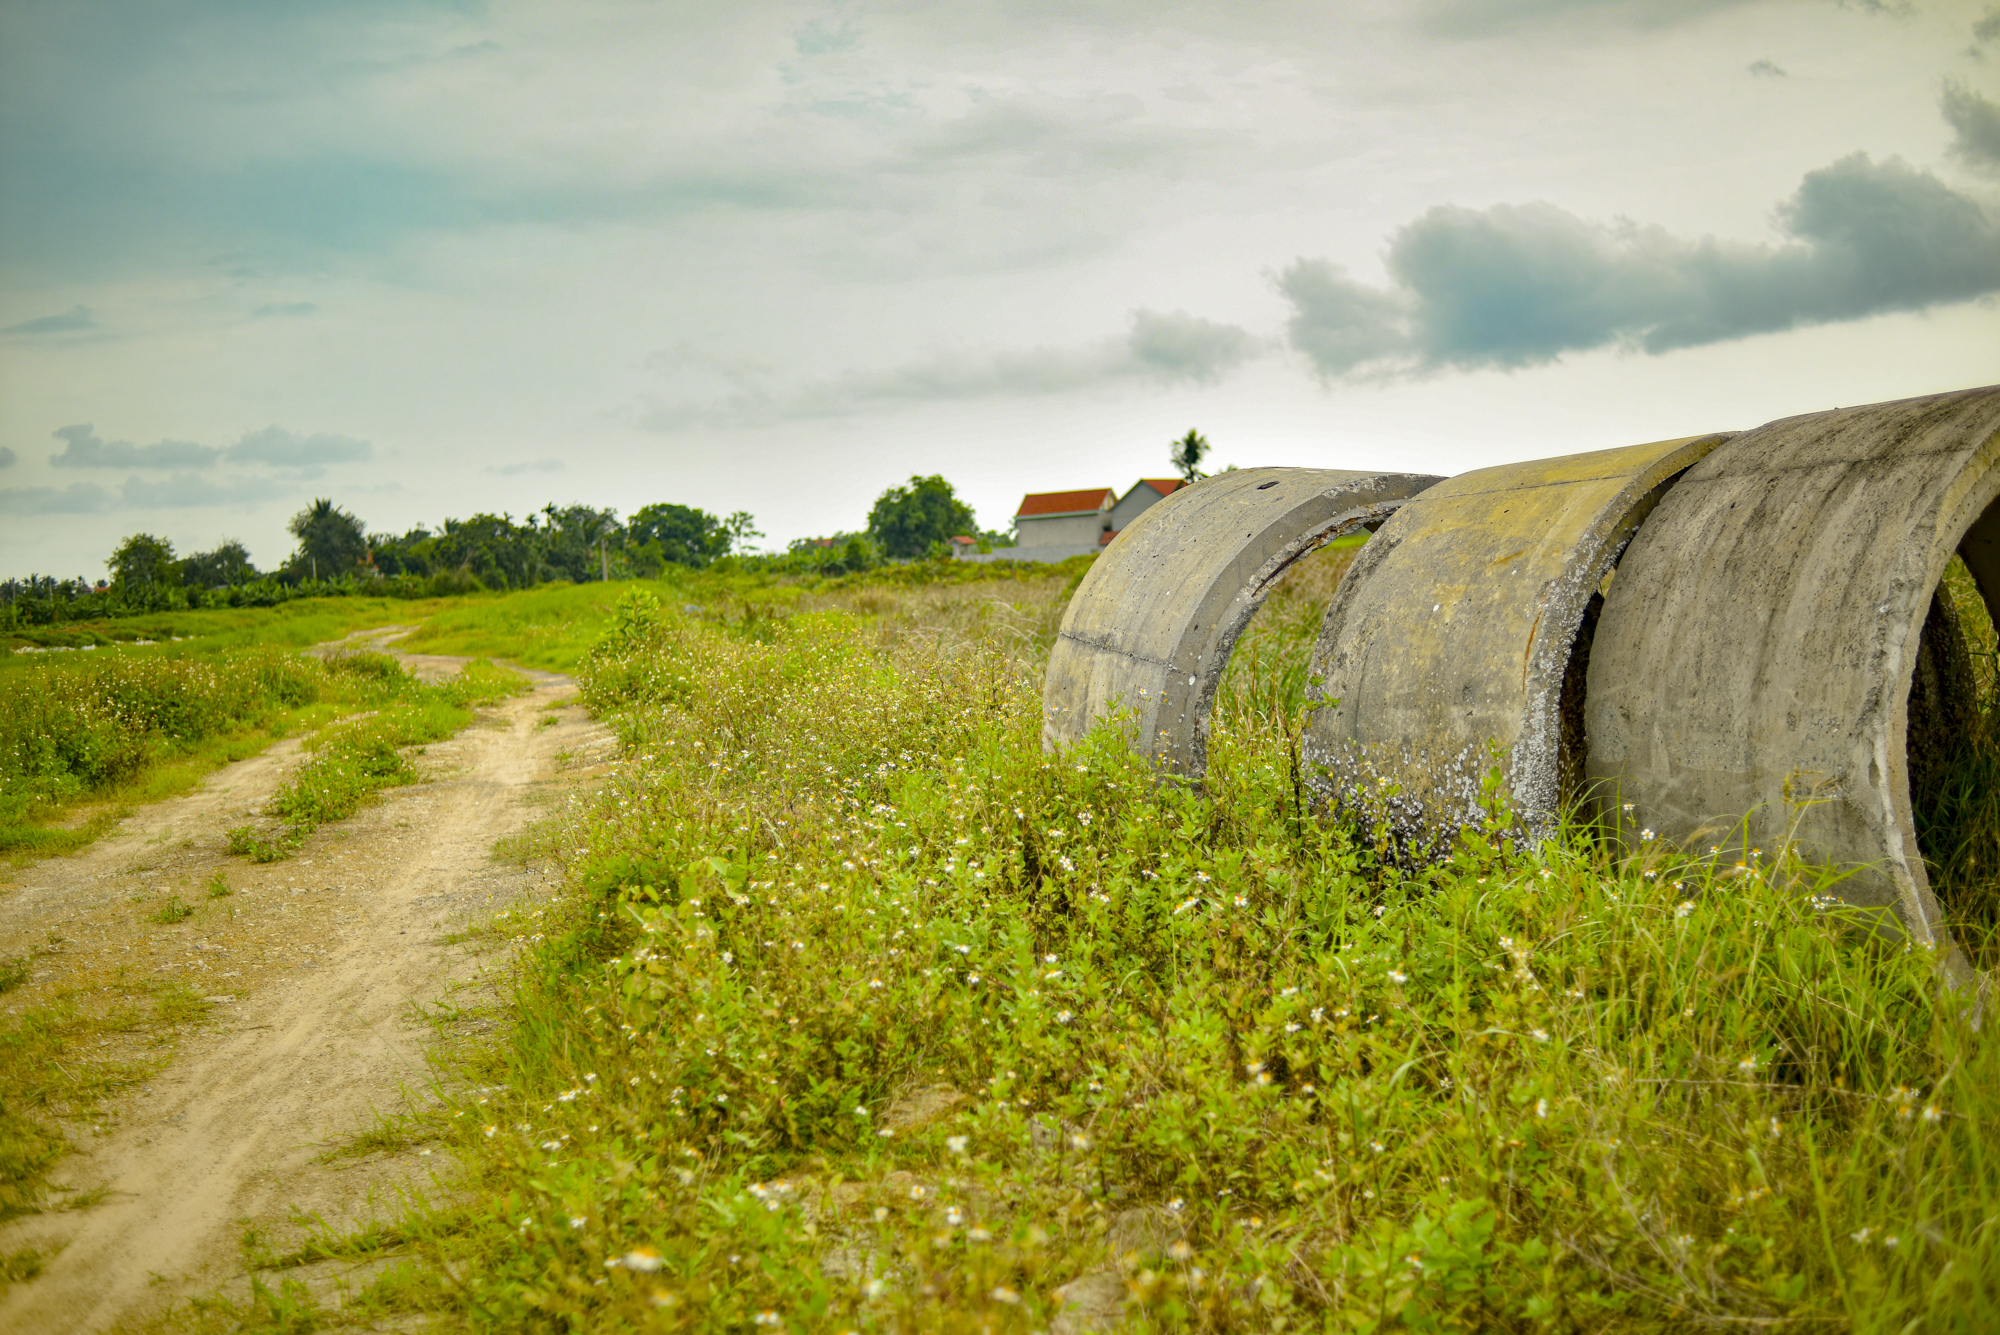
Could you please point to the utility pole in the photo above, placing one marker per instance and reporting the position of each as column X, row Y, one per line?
column 603, row 565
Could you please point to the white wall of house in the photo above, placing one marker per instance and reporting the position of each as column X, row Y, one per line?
column 1061, row 530
column 1133, row 504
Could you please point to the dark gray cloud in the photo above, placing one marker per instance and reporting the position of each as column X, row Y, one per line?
column 84, row 448
column 1518, row 285
column 287, row 449
column 1988, row 27
column 1767, row 69
column 7, row 457
column 193, row 491
column 1975, row 123
column 78, row 498
column 534, row 466
column 1174, row 347
column 73, row 320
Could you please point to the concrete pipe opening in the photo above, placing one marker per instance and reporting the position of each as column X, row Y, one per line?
column 1762, row 673
column 1151, row 628
column 1448, row 647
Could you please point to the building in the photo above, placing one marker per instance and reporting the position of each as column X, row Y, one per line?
column 1146, row 493
column 1064, row 518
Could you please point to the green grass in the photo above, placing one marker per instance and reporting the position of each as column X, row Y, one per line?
column 293, row 625
column 856, row 1011
column 354, row 760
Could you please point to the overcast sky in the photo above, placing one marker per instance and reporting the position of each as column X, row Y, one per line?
column 430, row 259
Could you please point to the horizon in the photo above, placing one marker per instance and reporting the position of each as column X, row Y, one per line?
column 437, row 260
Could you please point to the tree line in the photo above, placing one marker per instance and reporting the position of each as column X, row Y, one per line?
column 337, row 555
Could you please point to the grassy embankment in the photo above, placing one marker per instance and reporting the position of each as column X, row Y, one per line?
column 858, row 1012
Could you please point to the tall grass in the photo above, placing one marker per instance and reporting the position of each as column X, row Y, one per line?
column 858, row 1012
column 76, row 728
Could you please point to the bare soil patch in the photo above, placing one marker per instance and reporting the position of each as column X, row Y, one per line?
column 311, row 975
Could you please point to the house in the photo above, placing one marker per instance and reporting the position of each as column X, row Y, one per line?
column 1077, row 519
column 1146, row 493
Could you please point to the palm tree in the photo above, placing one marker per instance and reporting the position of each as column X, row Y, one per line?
column 332, row 542
column 1187, row 455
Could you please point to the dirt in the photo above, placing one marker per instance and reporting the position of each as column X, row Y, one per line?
column 315, row 971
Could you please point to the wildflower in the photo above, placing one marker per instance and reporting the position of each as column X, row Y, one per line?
column 642, row 1259
column 768, row 1318
column 1540, row 1035
column 1180, row 1251
column 1079, row 1141
column 978, row 1235
column 1185, row 906
column 1377, row 1146
column 1628, row 807
column 1398, row 977
column 1064, row 1017
column 491, row 1131
column 1318, row 1014
column 1176, row 1205
column 875, row 1288
column 1932, row 1115
column 1049, row 959
column 954, row 1216
column 1541, row 1107
column 956, row 1144
column 917, row 1192
column 1083, row 818
column 1862, row 1234
column 568, row 1096
column 1002, row 1294
column 886, row 1132
column 875, row 984
column 1647, row 836
column 577, row 1221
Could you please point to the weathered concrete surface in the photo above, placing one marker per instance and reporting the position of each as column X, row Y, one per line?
column 1764, row 629
column 1151, row 626
column 1453, row 633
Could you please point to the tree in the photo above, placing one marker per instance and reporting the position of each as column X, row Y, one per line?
column 332, row 542
column 143, row 569
column 228, row 564
column 679, row 534
column 907, row 521
column 1187, row 455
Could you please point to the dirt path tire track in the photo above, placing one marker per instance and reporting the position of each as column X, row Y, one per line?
column 237, row 1127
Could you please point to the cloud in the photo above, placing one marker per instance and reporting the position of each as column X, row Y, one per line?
column 70, row 321
column 533, row 466
column 1975, row 123
column 285, row 308
column 78, row 498
column 1520, row 285
column 1480, row 18
column 1988, row 26
column 83, row 448
column 1767, row 69
column 1164, row 348
column 192, row 491
column 287, row 449
column 7, row 457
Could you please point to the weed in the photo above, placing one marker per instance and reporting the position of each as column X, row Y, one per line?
column 859, row 1010
column 20, row 1266
column 218, row 884
column 174, row 910
column 14, row 970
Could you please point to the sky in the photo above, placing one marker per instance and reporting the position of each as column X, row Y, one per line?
column 430, row 259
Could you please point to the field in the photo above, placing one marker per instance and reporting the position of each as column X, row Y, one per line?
column 855, row 1011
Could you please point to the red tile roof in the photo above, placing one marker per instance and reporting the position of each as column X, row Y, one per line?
column 1166, row 486
column 1039, row 503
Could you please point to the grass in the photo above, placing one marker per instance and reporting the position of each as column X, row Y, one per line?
column 82, row 739
column 856, row 1011
column 352, row 761
column 59, row 1060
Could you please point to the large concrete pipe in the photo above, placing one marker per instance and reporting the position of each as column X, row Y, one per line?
column 1150, row 628
column 1758, row 645
column 1453, row 633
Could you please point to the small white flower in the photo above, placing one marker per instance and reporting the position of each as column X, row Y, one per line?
column 1647, row 836
column 1539, row 1035
column 1932, row 1115
column 642, row 1259
column 1684, row 909
column 954, row 1216
column 1079, row 1141
column 1398, row 977
column 576, row 1221
column 1003, row 1294
column 1541, row 1107
column 956, row 1144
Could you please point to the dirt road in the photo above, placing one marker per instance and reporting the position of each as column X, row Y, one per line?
column 312, row 968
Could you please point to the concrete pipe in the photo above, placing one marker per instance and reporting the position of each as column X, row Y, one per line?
column 1758, row 647
column 1454, row 633
column 1151, row 627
